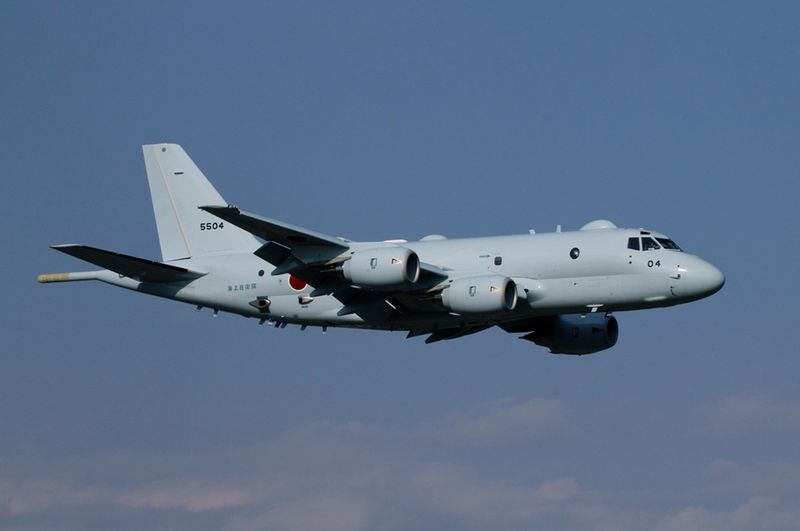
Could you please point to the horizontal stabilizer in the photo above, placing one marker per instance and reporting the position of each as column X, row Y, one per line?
column 129, row 266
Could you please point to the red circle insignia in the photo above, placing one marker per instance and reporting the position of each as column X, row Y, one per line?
column 296, row 283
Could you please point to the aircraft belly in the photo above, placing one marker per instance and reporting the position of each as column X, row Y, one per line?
column 303, row 309
column 648, row 289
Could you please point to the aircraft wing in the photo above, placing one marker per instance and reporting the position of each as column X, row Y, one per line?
column 129, row 266
column 314, row 257
column 273, row 230
column 308, row 255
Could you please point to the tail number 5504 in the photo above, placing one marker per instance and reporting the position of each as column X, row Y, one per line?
column 212, row 225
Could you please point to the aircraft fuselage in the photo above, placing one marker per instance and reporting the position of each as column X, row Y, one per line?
column 605, row 276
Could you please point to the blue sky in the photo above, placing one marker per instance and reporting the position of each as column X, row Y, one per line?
column 375, row 121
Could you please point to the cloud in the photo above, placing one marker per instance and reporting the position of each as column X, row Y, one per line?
column 354, row 477
column 762, row 496
column 762, row 479
column 187, row 495
column 460, row 493
column 321, row 513
column 504, row 422
column 759, row 512
column 692, row 518
column 750, row 412
column 20, row 497
column 320, row 475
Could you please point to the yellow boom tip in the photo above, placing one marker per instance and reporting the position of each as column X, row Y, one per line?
column 53, row 277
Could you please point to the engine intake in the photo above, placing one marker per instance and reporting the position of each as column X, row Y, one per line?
column 576, row 334
column 484, row 294
column 382, row 267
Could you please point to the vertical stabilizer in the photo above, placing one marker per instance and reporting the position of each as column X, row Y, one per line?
column 177, row 188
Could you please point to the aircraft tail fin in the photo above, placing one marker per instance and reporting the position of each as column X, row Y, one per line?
column 177, row 189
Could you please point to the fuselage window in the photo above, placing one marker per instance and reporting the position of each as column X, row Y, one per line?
column 649, row 244
column 498, row 260
column 668, row 244
column 633, row 243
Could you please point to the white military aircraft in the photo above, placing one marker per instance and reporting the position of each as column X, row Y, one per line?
column 559, row 289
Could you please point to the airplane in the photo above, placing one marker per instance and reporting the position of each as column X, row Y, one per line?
column 558, row 289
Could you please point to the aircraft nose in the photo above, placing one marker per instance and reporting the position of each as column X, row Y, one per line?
column 705, row 278
column 710, row 277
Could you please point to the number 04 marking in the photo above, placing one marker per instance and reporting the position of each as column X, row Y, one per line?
column 657, row 263
column 212, row 226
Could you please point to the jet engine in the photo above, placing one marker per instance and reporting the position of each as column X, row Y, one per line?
column 484, row 294
column 382, row 267
column 576, row 334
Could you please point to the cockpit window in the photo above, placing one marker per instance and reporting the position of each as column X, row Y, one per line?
column 666, row 243
column 649, row 244
column 633, row 243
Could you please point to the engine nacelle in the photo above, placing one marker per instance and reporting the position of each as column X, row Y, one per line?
column 382, row 267
column 484, row 294
column 576, row 334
